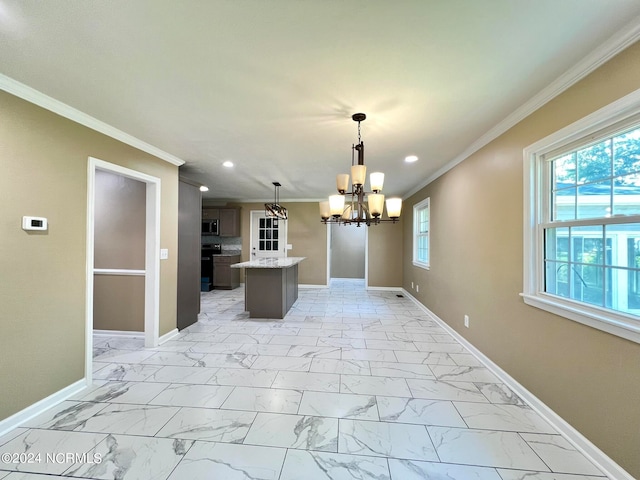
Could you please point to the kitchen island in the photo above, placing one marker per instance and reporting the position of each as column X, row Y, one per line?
column 271, row 286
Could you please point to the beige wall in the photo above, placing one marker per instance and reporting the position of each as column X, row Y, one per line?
column 386, row 253
column 118, row 303
column 119, row 243
column 119, row 225
column 43, row 281
column 588, row 377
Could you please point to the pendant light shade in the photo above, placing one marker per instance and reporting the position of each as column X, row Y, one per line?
column 336, row 205
column 376, row 204
column 325, row 210
column 358, row 175
column 377, row 180
column 342, row 182
column 394, row 207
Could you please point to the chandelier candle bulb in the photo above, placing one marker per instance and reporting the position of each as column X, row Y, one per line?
column 376, row 204
column 358, row 174
column 336, row 205
column 394, row 207
column 342, row 182
column 377, row 180
column 325, row 210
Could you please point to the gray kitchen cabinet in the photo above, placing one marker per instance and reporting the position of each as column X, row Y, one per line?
column 225, row 277
column 228, row 219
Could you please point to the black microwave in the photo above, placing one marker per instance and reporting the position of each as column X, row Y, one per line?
column 210, row 227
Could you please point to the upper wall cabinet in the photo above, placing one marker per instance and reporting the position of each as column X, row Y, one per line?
column 229, row 222
column 228, row 219
column 210, row 213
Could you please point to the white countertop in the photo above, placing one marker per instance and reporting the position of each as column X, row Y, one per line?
column 270, row 263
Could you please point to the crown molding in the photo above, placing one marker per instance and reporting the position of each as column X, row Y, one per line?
column 38, row 98
column 618, row 42
column 270, row 200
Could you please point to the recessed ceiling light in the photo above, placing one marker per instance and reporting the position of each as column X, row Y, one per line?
column 227, row 164
column 411, row 159
column 204, row 188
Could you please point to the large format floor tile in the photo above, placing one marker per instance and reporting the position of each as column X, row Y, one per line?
column 212, row 425
column 300, row 464
column 351, row 384
column 129, row 457
column 206, row 461
column 381, row 439
column 294, row 431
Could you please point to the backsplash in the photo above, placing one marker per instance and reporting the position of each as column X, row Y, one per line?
column 228, row 243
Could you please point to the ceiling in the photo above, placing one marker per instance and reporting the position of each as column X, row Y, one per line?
column 271, row 85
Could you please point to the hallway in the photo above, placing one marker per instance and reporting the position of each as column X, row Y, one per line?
column 352, row 384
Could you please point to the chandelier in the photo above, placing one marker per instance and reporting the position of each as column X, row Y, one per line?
column 275, row 210
column 349, row 207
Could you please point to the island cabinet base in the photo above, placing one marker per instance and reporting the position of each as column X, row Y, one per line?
column 270, row 292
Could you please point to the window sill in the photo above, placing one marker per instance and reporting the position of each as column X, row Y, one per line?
column 600, row 319
column 421, row 265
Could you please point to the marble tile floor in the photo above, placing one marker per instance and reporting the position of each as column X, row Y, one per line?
column 352, row 384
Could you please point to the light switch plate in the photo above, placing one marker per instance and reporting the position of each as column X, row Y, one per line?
column 164, row 253
column 289, row 246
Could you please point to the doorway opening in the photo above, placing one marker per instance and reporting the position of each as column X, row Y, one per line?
column 348, row 253
column 151, row 262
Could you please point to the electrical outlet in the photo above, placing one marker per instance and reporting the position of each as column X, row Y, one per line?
column 417, row 287
column 412, row 285
column 466, row 321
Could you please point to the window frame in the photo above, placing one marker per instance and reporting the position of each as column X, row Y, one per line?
column 536, row 213
column 417, row 209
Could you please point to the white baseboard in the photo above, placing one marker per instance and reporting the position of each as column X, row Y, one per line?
column 386, row 289
column 17, row 419
column 168, row 336
column 118, row 333
column 579, row 441
column 309, row 285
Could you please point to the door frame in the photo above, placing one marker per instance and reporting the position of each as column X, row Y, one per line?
column 254, row 213
column 152, row 255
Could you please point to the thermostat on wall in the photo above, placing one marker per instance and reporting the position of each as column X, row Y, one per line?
column 34, row 223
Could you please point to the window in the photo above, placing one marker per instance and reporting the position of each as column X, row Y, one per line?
column 421, row 234
column 582, row 223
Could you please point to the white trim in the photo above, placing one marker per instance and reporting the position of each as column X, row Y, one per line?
column 328, row 233
column 90, row 241
column 152, row 255
column 622, row 39
column 606, row 321
column 366, row 258
column 610, row 321
column 424, row 204
column 310, row 285
column 118, row 271
column 152, row 264
column 117, row 333
column 608, row 466
column 168, row 336
column 386, row 289
column 32, row 411
column 285, row 229
column 38, row 98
